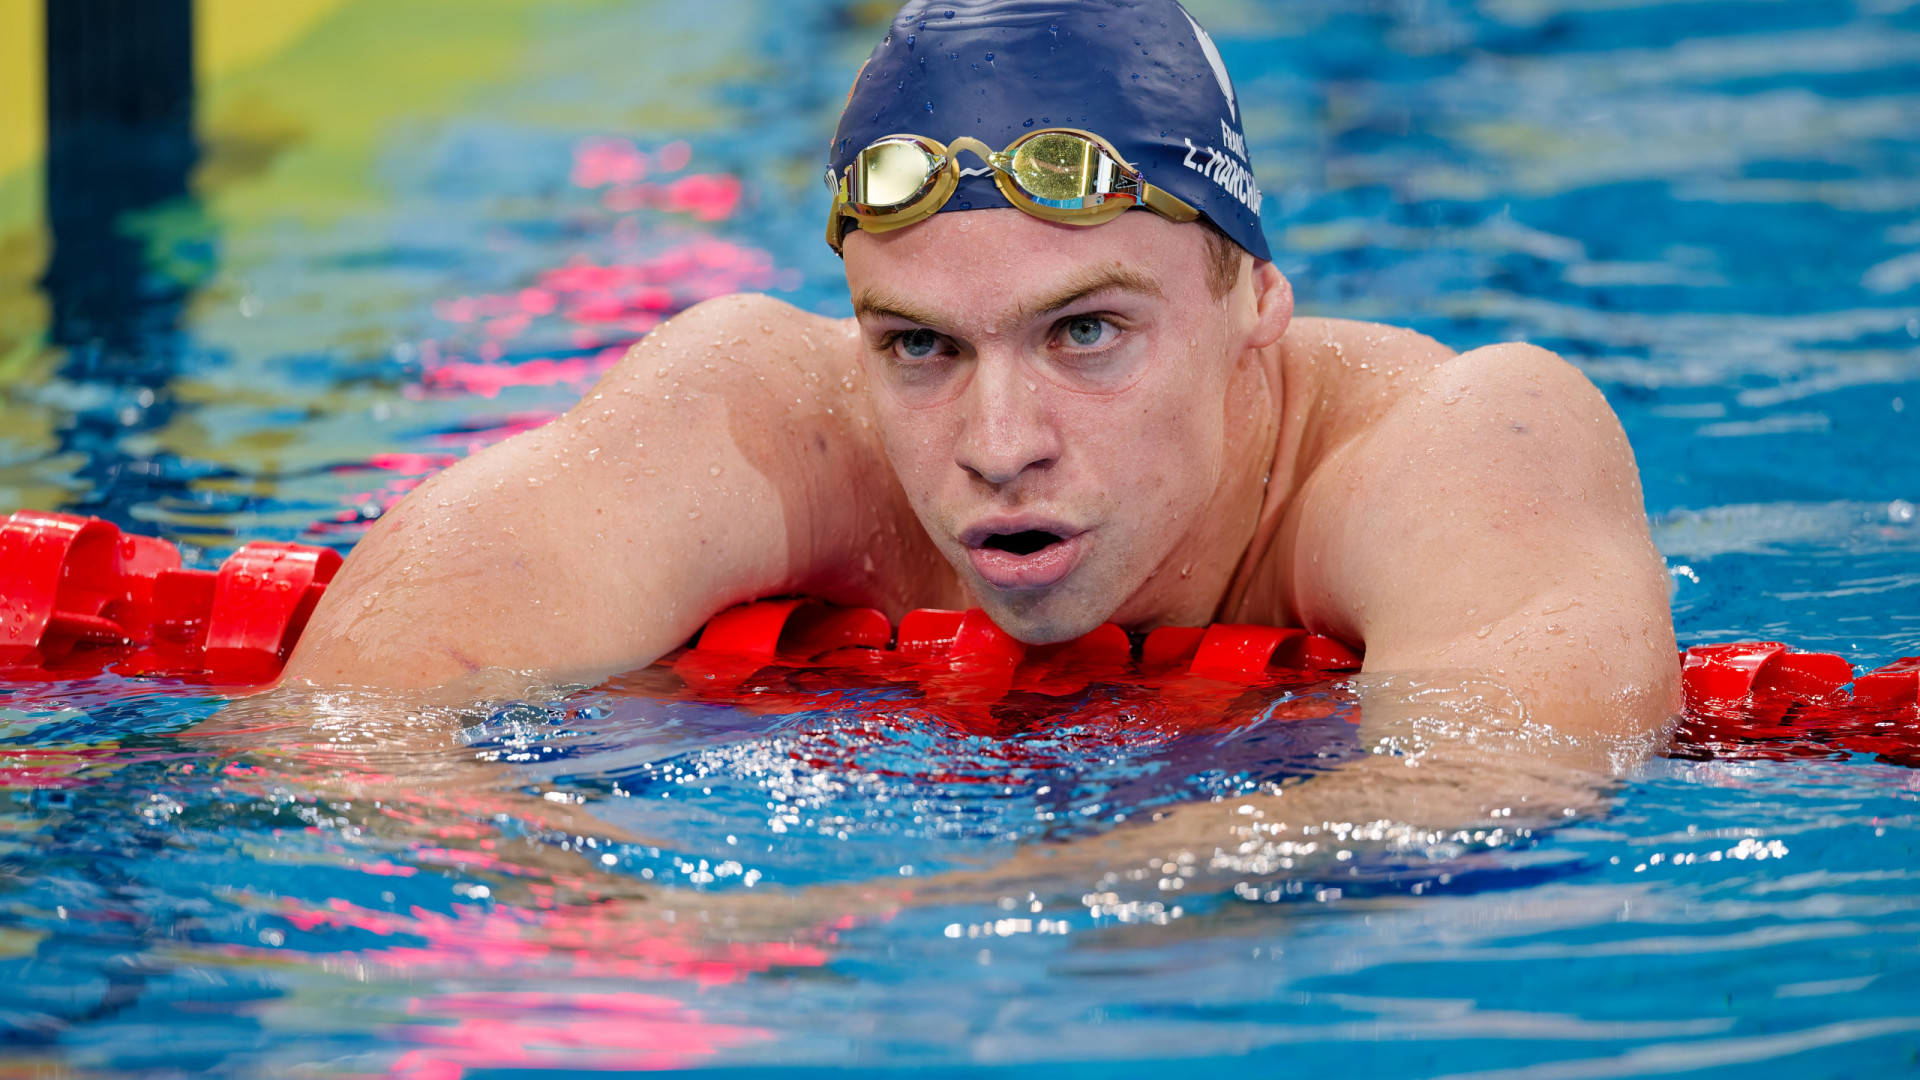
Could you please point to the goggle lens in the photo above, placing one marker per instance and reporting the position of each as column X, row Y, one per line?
column 1057, row 168
column 891, row 174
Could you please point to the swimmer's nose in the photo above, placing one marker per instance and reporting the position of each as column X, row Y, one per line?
column 1009, row 430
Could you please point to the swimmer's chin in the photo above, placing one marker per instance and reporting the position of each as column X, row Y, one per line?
column 1037, row 618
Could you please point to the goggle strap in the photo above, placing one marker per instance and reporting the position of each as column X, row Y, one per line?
column 1166, row 204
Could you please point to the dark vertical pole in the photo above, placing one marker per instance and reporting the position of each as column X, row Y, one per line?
column 119, row 141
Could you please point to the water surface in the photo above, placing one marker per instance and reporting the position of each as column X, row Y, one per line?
column 409, row 234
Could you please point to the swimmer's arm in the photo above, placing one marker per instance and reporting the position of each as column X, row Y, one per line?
column 1492, row 521
column 725, row 458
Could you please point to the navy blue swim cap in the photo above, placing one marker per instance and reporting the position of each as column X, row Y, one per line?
column 1141, row 74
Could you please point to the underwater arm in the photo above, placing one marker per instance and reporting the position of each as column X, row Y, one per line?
column 723, row 459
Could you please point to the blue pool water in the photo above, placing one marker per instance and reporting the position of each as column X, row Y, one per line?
column 1712, row 207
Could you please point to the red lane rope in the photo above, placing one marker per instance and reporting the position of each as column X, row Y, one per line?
column 78, row 596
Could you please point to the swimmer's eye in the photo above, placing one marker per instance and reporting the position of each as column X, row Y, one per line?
column 1088, row 331
column 918, row 346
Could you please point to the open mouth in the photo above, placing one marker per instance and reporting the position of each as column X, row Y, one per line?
column 1023, row 559
column 1022, row 543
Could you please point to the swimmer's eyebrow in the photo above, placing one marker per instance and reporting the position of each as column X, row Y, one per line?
column 873, row 303
column 1084, row 283
column 1113, row 277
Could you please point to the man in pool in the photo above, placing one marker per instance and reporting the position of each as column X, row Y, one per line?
column 1073, row 391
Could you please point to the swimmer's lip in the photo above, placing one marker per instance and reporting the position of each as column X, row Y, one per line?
column 1016, row 573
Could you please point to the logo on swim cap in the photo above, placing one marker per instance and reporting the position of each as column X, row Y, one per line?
column 1219, row 66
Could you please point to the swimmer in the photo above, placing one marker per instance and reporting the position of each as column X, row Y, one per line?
column 1073, row 391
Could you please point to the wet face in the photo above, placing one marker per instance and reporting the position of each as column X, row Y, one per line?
column 1067, row 408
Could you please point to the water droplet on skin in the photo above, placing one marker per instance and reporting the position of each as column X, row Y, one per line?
column 533, row 481
column 713, row 470
column 692, row 514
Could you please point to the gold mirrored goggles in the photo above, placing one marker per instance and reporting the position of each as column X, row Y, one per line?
column 1060, row 174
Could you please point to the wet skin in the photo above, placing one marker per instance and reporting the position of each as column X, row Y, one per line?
column 1063, row 426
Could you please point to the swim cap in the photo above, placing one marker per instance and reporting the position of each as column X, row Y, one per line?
column 1141, row 74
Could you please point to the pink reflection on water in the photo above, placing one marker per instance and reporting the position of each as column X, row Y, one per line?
column 609, row 305
column 451, row 1032
column 536, row 1030
column 599, row 160
column 598, row 309
column 487, row 380
column 707, row 196
column 606, row 939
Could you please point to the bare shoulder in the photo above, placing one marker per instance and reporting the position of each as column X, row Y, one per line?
column 1340, row 376
column 1506, row 424
column 1519, row 408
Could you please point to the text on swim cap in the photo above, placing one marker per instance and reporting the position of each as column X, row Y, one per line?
column 1232, row 176
column 1233, row 140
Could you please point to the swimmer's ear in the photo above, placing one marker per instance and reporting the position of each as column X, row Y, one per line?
column 1273, row 296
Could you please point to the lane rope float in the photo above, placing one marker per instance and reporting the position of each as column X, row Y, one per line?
column 78, row 595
